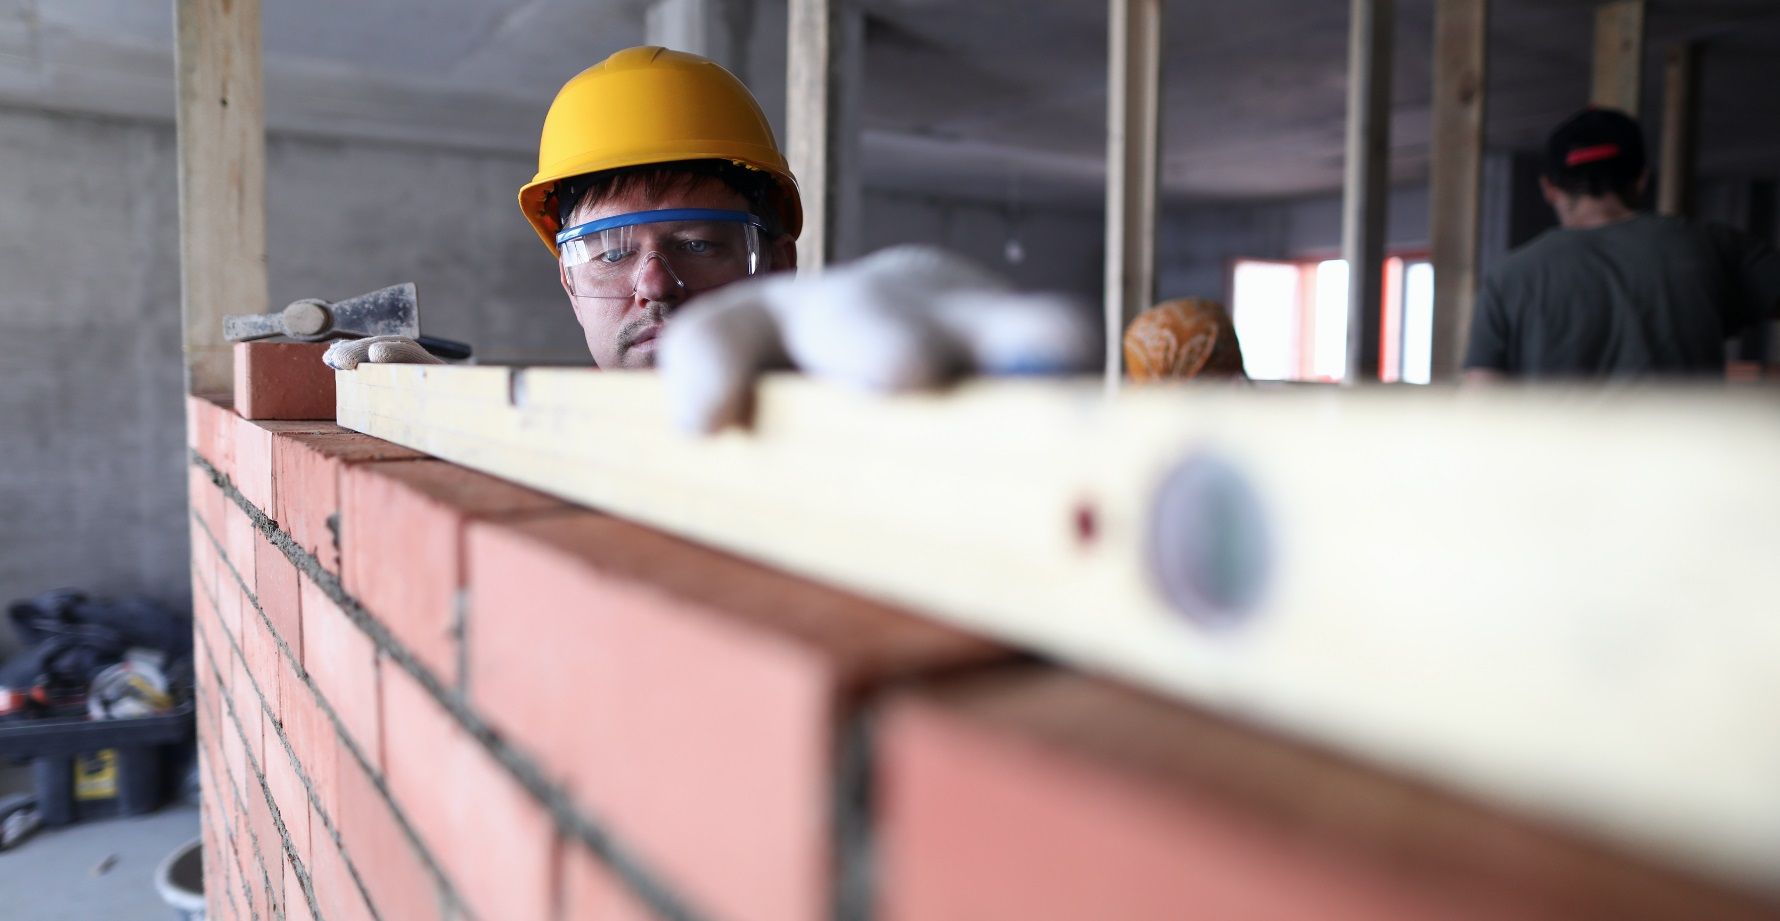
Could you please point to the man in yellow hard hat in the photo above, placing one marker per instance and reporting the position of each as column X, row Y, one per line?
column 658, row 180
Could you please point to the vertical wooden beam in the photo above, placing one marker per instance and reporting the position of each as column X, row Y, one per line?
column 222, row 180
column 825, row 48
column 1680, row 130
column 1366, row 190
column 1133, row 135
column 1461, row 56
column 1619, row 56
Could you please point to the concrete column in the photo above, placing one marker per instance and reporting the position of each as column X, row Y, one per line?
column 746, row 36
column 1133, row 139
column 1366, row 187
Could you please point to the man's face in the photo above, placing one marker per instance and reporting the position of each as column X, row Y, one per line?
column 622, row 332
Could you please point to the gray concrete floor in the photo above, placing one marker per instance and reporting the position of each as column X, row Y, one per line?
column 50, row 876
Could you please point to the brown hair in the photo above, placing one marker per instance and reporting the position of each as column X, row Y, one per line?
column 754, row 186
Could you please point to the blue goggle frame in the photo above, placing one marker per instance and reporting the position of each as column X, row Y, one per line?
column 655, row 217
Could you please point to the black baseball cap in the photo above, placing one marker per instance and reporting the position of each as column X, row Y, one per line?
column 1607, row 137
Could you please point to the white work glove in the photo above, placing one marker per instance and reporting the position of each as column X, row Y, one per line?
column 346, row 354
column 904, row 318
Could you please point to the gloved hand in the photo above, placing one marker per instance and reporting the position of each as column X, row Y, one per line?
column 905, row 318
column 346, row 354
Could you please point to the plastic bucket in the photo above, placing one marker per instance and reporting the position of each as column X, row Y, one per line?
column 180, row 880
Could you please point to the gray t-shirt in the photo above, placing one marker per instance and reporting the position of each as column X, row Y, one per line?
column 1645, row 296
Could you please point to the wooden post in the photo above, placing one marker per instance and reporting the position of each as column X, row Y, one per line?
column 1680, row 130
column 826, row 41
column 1461, row 55
column 1134, row 78
column 222, row 180
column 1619, row 55
column 1366, row 189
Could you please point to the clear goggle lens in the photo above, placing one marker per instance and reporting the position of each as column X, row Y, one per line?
column 700, row 249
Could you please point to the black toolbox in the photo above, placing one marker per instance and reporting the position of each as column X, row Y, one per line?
column 120, row 762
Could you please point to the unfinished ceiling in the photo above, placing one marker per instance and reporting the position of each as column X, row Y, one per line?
column 990, row 98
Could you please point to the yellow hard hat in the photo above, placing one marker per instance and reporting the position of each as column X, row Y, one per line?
column 650, row 105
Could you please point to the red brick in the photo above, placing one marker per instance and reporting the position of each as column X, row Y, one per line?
column 246, row 699
column 203, row 577
column 237, row 892
column 590, row 892
column 1039, row 794
column 448, row 785
column 307, row 469
column 238, row 539
column 253, row 457
column 283, row 380
column 311, row 734
column 288, row 795
column 206, row 498
column 209, row 850
column 720, row 682
column 296, row 904
column 266, row 839
column 252, row 891
column 275, row 584
column 210, row 431
column 204, row 626
column 399, row 884
column 342, row 661
column 401, row 538
column 204, row 682
column 336, row 894
column 261, row 656
column 229, row 604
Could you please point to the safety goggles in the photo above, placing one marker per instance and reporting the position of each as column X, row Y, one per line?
column 700, row 249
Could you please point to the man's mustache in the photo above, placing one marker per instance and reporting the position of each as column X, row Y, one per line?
column 653, row 315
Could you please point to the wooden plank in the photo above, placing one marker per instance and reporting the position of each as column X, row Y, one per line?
column 1560, row 601
column 222, row 180
column 1366, row 188
column 1619, row 56
column 1461, row 70
column 1133, row 136
column 822, row 93
column 1680, row 130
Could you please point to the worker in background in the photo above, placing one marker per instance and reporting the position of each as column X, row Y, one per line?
column 1615, row 292
column 659, row 181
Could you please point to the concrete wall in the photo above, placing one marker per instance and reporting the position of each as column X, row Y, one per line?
column 1060, row 248
column 91, row 491
column 1196, row 244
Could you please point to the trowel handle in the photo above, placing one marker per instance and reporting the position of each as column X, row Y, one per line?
column 448, row 349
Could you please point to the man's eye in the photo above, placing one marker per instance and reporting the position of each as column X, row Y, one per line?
column 696, row 247
column 613, row 256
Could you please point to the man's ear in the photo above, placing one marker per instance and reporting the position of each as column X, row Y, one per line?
column 562, row 275
column 1553, row 195
column 1643, row 183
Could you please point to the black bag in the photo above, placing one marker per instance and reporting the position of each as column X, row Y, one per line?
column 70, row 637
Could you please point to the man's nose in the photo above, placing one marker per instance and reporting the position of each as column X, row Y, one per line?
column 656, row 281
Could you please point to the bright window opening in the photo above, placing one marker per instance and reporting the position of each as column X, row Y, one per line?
column 1291, row 318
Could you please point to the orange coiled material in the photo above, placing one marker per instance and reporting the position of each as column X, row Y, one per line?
column 1189, row 337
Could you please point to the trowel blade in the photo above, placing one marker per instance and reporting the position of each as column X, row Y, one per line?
column 392, row 311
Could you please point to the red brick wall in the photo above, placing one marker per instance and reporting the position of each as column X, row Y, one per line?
column 426, row 693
